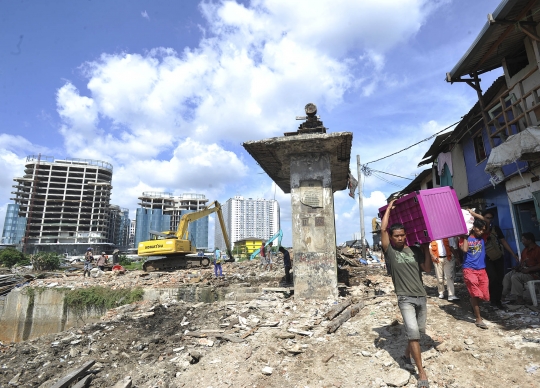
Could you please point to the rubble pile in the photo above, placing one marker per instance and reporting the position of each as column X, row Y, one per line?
column 239, row 272
column 8, row 282
column 278, row 341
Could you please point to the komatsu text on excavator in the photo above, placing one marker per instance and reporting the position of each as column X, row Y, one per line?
column 169, row 249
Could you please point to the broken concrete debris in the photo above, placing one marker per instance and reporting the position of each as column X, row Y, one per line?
column 287, row 336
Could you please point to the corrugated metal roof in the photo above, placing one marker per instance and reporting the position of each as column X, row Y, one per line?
column 487, row 52
column 415, row 184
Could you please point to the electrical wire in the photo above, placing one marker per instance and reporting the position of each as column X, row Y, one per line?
column 415, row 144
column 387, row 173
column 386, row 180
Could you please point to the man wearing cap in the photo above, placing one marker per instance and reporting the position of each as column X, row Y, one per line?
column 101, row 261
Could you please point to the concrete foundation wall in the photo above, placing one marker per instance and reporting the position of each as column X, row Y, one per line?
column 313, row 226
column 25, row 317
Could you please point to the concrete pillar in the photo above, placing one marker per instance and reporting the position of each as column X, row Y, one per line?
column 311, row 165
column 313, row 226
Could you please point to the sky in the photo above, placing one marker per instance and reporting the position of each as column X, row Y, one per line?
column 167, row 91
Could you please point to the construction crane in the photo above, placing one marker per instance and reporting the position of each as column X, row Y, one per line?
column 169, row 249
column 278, row 235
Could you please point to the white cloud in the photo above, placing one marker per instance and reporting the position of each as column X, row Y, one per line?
column 348, row 215
column 194, row 168
column 261, row 64
column 331, row 27
column 172, row 121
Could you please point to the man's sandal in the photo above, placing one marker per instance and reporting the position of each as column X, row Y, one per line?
column 481, row 325
column 423, row 384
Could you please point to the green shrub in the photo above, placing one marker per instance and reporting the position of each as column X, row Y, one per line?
column 124, row 260
column 10, row 257
column 101, row 298
column 135, row 265
column 45, row 261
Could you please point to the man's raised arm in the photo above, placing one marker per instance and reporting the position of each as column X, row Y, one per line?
column 426, row 265
column 385, row 238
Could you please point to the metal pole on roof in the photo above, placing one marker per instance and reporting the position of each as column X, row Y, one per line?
column 361, row 207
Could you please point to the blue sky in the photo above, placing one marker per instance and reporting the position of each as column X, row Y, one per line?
column 168, row 90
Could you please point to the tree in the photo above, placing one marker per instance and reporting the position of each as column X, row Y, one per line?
column 10, row 257
column 45, row 261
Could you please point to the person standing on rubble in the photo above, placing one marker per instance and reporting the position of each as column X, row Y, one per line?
column 474, row 268
column 263, row 255
column 445, row 263
column 101, row 261
column 88, row 260
column 494, row 241
column 406, row 266
column 115, row 256
column 286, row 264
column 217, row 263
column 268, row 257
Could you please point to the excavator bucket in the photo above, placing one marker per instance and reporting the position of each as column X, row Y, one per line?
column 231, row 258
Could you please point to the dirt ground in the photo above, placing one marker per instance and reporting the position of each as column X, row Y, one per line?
column 277, row 341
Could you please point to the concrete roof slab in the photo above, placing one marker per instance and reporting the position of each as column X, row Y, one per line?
column 274, row 155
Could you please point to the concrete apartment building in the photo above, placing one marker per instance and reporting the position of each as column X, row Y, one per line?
column 161, row 211
column 248, row 218
column 132, row 227
column 64, row 206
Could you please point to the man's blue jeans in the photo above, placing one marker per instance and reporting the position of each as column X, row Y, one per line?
column 216, row 267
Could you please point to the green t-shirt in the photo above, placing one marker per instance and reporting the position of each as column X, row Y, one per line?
column 406, row 271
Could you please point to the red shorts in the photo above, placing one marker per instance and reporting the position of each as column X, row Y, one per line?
column 477, row 283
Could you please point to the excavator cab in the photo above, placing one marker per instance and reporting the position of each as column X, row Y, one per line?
column 169, row 249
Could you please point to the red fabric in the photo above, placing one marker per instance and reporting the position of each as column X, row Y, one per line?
column 118, row 267
column 530, row 257
column 477, row 283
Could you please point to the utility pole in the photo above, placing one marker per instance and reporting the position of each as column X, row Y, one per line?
column 361, row 207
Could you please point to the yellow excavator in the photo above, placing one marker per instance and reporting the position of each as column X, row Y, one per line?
column 169, row 249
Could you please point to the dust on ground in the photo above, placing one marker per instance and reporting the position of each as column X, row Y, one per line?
column 274, row 340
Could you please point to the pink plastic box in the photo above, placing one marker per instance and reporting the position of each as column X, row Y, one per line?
column 428, row 215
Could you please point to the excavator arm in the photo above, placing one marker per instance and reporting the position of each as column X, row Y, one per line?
column 182, row 232
column 214, row 207
column 225, row 234
column 278, row 235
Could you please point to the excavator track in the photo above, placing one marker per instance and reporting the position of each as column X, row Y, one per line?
column 175, row 262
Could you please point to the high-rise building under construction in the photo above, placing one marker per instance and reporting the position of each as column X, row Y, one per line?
column 64, row 206
column 160, row 211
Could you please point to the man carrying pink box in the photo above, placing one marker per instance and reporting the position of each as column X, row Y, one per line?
column 406, row 266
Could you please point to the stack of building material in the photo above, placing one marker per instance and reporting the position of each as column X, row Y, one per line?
column 8, row 282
